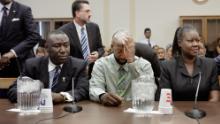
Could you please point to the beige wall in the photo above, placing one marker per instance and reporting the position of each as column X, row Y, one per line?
column 162, row 16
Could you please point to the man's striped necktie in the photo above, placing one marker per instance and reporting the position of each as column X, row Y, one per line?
column 56, row 76
column 84, row 44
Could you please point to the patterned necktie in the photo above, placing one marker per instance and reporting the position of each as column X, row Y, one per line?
column 3, row 28
column 84, row 44
column 122, row 83
column 56, row 76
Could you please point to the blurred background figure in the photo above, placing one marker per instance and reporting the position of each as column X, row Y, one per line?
column 41, row 51
column 169, row 54
column 147, row 40
column 155, row 48
column 217, row 59
column 213, row 48
column 161, row 53
column 202, row 50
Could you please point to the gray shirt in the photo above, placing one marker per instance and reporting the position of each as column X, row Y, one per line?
column 106, row 76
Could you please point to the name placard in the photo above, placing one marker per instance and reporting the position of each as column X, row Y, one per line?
column 46, row 103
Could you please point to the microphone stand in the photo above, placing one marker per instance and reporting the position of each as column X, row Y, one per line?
column 73, row 108
column 196, row 113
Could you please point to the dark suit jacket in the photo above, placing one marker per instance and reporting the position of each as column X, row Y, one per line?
column 94, row 37
column 37, row 68
column 21, row 33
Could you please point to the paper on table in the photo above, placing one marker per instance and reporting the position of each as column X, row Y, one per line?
column 18, row 110
column 131, row 110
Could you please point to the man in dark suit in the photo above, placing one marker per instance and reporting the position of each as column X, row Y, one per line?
column 85, row 37
column 18, row 35
column 57, row 70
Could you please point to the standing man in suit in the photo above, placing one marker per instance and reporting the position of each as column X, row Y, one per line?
column 57, row 70
column 85, row 37
column 18, row 35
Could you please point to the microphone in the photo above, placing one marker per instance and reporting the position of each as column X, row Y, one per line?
column 73, row 108
column 196, row 113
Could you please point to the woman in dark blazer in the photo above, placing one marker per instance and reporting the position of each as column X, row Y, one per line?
column 183, row 73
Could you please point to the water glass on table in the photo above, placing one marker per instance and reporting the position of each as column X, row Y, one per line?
column 28, row 94
column 142, row 95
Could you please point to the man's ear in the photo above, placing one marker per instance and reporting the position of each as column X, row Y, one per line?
column 76, row 13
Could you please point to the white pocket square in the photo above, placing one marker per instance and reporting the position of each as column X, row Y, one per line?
column 15, row 19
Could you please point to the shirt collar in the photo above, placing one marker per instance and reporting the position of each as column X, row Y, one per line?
column 197, row 65
column 118, row 66
column 78, row 27
column 147, row 39
column 181, row 63
column 8, row 6
column 52, row 66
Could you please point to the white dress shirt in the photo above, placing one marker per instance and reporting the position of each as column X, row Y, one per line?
column 51, row 70
column 78, row 29
column 146, row 41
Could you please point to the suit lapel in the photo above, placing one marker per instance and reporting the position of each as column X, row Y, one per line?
column 75, row 37
column 44, row 74
column 12, row 13
column 89, row 34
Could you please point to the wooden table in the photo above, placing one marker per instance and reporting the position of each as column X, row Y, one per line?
column 94, row 113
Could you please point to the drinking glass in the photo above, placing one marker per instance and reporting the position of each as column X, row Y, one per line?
column 28, row 94
column 143, row 94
